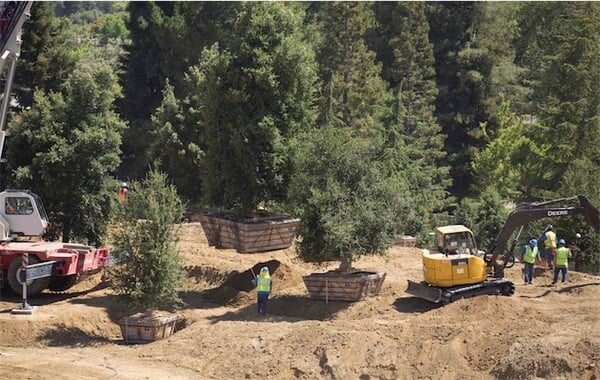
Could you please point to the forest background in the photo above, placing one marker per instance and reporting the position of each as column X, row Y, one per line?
column 437, row 112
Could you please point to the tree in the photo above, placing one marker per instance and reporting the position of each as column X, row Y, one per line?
column 485, row 216
column 176, row 143
column 167, row 38
column 248, row 99
column 560, row 45
column 148, row 269
column 66, row 149
column 469, row 43
column 44, row 62
column 344, row 190
column 348, row 205
column 402, row 44
column 511, row 156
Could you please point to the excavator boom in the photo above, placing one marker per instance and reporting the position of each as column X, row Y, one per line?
column 527, row 213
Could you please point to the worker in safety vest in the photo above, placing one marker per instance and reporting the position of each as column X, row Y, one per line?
column 123, row 192
column 263, row 284
column 562, row 261
column 530, row 254
column 549, row 239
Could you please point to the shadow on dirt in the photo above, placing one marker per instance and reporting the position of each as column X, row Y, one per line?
column 414, row 305
column 288, row 308
column 565, row 289
column 47, row 298
column 71, row 337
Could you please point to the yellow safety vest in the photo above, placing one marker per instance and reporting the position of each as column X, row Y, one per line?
column 530, row 254
column 550, row 239
column 263, row 284
column 562, row 257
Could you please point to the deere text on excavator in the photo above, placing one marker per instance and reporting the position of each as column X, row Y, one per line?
column 455, row 269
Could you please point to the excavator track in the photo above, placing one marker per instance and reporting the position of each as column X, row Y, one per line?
column 491, row 287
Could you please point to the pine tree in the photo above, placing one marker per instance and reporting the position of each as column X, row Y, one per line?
column 43, row 63
column 466, row 50
column 560, row 45
column 402, row 43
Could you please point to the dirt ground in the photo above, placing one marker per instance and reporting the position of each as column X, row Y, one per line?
column 541, row 332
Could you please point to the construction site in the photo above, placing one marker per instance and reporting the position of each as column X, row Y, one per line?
column 541, row 331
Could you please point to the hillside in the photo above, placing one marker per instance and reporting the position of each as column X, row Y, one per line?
column 543, row 331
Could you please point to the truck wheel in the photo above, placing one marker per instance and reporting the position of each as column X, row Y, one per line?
column 62, row 283
column 34, row 286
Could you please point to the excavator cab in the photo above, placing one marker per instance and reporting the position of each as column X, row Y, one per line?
column 456, row 239
column 21, row 214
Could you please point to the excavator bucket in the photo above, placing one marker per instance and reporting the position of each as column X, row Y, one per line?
column 422, row 290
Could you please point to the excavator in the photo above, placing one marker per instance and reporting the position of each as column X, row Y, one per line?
column 456, row 269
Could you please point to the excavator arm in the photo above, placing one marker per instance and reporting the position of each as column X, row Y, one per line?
column 498, row 258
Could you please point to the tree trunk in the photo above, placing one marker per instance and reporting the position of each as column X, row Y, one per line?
column 345, row 265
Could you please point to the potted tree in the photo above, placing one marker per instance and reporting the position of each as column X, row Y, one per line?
column 349, row 208
column 148, row 269
column 250, row 107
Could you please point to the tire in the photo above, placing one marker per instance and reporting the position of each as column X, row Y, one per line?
column 62, row 283
column 34, row 286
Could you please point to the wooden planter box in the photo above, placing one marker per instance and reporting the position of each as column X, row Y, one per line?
column 140, row 328
column 347, row 287
column 405, row 241
column 258, row 232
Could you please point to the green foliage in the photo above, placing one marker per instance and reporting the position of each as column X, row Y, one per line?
column 167, row 38
column 485, row 216
column 470, row 40
column 66, row 148
column 175, row 143
column 414, row 135
column 248, row 98
column 148, row 269
column 45, row 59
column 510, row 158
column 560, row 45
column 348, row 206
column 344, row 188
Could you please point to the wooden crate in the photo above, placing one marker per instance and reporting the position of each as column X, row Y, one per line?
column 405, row 241
column 258, row 234
column 347, row 287
column 139, row 328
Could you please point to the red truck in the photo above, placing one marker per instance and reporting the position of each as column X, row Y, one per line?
column 50, row 265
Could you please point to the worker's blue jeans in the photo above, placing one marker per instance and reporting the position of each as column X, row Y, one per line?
column 563, row 271
column 550, row 258
column 263, row 298
column 528, row 270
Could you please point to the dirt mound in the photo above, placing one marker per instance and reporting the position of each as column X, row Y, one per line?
column 542, row 331
column 237, row 288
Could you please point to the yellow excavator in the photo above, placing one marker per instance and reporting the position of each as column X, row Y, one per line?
column 456, row 269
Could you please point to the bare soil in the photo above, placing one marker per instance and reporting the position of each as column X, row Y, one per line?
column 541, row 332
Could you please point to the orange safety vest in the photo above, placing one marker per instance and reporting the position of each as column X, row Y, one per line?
column 122, row 194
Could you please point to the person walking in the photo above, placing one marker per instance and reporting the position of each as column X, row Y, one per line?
column 562, row 261
column 549, row 239
column 263, row 283
column 123, row 192
column 530, row 253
